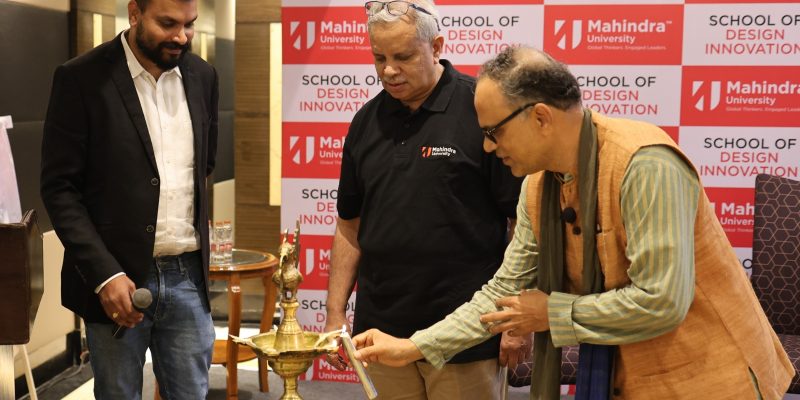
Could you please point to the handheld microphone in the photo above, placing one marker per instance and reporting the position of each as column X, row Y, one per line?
column 141, row 299
column 569, row 215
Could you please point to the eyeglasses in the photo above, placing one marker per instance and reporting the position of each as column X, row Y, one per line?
column 396, row 7
column 489, row 132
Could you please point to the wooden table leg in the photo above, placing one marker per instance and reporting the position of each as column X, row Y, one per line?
column 268, row 311
column 234, row 323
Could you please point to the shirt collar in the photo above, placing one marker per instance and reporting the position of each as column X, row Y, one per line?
column 439, row 98
column 134, row 66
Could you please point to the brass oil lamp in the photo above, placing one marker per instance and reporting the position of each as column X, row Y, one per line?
column 290, row 351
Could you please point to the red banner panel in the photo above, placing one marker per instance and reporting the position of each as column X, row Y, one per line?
column 734, row 208
column 611, row 34
column 313, row 150
column 741, row 96
column 325, row 35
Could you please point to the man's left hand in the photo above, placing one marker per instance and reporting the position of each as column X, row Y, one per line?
column 521, row 314
column 514, row 350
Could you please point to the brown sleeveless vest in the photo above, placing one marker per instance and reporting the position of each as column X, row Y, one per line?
column 725, row 331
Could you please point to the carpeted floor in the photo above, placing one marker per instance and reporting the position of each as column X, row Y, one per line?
column 77, row 384
column 74, row 389
column 79, row 387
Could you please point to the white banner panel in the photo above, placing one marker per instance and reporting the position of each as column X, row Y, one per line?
column 10, row 210
column 733, row 156
column 311, row 313
column 741, row 34
column 313, row 201
column 745, row 255
column 473, row 35
column 327, row 92
column 649, row 93
column 311, row 316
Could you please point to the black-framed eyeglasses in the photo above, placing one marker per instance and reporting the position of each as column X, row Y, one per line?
column 489, row 132
column 396, row 7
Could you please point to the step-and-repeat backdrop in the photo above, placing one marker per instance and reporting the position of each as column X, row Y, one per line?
column 721, row 77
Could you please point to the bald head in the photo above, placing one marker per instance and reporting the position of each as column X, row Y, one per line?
column 527, row 75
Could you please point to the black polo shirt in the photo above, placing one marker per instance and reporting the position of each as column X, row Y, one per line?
column 433, row 208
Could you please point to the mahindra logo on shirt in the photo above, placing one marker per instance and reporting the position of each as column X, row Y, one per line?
column 603, row 34
column 436, row 152
column 296, row 35
column 706, row 95
column 568, row 33
column 296, row 147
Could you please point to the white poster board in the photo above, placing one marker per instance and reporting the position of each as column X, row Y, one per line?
column 9, row 194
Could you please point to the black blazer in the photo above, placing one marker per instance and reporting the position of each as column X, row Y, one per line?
column 100, row 183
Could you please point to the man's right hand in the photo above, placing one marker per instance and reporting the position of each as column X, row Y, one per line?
column 378, row 347
column 115, row 297
column 334, row 322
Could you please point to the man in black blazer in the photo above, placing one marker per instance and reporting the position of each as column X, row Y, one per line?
column 129, row 138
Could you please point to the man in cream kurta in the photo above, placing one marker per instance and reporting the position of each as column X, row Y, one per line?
column 674, row 289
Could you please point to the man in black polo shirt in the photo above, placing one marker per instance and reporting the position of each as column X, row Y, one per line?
column 423, row 211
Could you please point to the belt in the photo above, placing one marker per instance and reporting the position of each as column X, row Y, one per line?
column 183, row 257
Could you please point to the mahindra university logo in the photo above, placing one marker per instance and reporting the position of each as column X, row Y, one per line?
column 706, row 94
column 314, row 257
column 435, row 152
column 568, row 34
column 309, row 261
column 301, row 152
column 297, row 34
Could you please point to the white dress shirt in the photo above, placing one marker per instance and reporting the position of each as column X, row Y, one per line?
column 166, row 112
column 170, row 125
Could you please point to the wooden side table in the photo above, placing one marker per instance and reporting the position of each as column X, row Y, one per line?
column 246, row 264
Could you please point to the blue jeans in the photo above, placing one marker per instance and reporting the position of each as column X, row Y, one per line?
column 177, row 328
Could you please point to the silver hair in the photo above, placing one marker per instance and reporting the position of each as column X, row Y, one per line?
column 527, row 75
column 427, row 25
